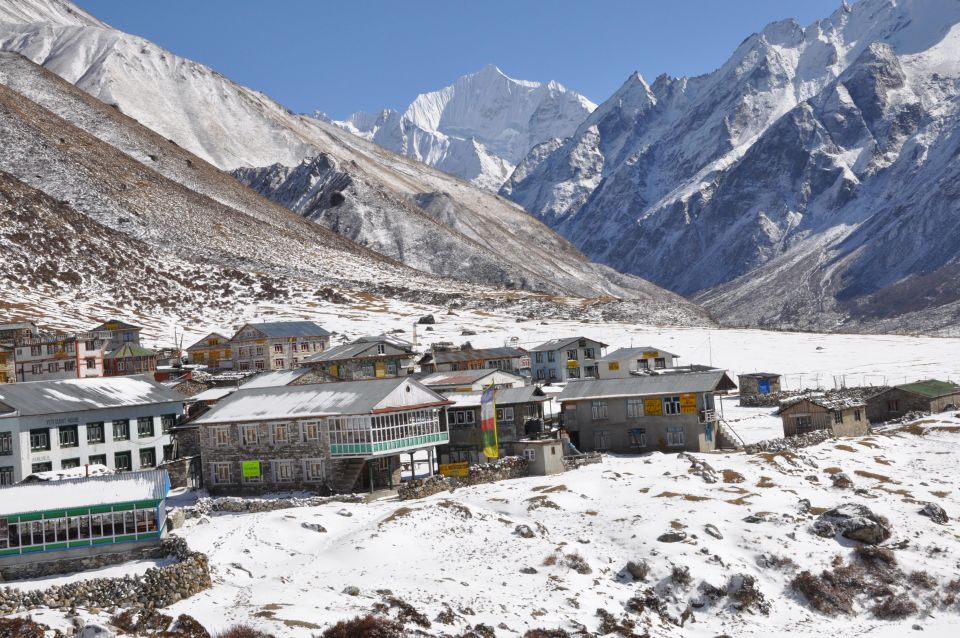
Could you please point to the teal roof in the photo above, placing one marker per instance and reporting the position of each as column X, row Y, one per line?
column 930, row 388
column 130, row 350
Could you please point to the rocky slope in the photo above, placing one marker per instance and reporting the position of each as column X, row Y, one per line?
column 807, row 182
column 479, row 127
column 366, row 193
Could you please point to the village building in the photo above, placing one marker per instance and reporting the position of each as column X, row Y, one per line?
column 80, row 518
column 627, row 362
column 276, row 345
column 52, row 356
column 666, row 412
column 471, row 380
column 562, row 359
column 366, row 358
column 213, row 351
column 544, row 456
column 121, row 422
column 757, row 384
column 10, row 332
column 515, row 360
column 8, row 372
column 514, row 407
column 129, row 359
column 844, row 416
column 329, row 437
column 931, row 396
column 118, row 333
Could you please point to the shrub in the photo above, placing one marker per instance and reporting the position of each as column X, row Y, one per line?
column 823, row 594
column 922, row 580
column 368, row 626
column 546, row 633
column 895, row 607
column 407, row 612
column 550, row 560
column 243, row 631
column 577, row 563
column 21, row 628
column 680, row 575
column 188, row 627
column 141, row 622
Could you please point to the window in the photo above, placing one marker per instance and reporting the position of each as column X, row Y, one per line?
column 144, row 426
column 36, row 351
column 53, row 367
column 122, row 462
column 244, row 366
column 461, row 418
column 281, row 433
column 68, row 436
column 121, row 430
column 660, row 363
column 856, row 415
column 553, row 374
column 37, row 368
column 551, row 356
column 70, row 366
column 530, row 454
column 671, row 405
column 282, row 471
column 95, row 433
column 638, row 438
column 674, row 436
column 259, row 351
column 803, row 423
column 643, row 364
column 893, row 405
column 540, row 374
column 313, row 470
column 89, row 345
column 311, row 431
column 634, row 408
column 128, row 337
column 838, row 416
column 504, row 414
column 278, row 348
column 168, row 452
column 305, row 347
column 588, row 353
column 97, row 459
column 39, row 440
column 221, row 473
column 278, row 363
column 221, row 436
column 241, row 352
column 538, row 357
column 258, row 365
column 167, row 421
column 381, row 348
column 573, row 373
column 249, row 434
column 572, row 355
column 148, row 457
column 67, row 464
column 6, row 443
column 598, row 410
column 41, row 467
column 6, row 475
column 91, row 364
column 570, row 415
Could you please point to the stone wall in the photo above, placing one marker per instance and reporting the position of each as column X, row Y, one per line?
column 509, row 467
column 790, row 443
column 155, row 588
column 183, row 472
column 237, row 505
column 773, row 399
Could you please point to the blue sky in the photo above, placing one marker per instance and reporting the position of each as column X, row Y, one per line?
column 353, row 55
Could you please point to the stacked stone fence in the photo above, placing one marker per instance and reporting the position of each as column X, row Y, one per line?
column 790, row 443
column 773, row 399
column 157, row 587
column 239, row 505
column 509, row 467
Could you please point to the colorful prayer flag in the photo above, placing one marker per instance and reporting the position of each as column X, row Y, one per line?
column 488, row 423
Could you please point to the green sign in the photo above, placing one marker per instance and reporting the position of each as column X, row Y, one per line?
column 250, row 469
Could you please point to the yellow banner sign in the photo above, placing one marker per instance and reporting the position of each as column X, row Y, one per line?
column 613, row 366
column 455, row 469
column 250, row 469
column 573, row 364
column 688, row 403
column 652, row 407
column 651, row 354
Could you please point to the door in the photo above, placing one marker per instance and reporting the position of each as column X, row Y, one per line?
column 764, row 386
column 601, row 440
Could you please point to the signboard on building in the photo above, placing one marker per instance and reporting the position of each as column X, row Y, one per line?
column 613, row 366
column 651, row 354
column 652, row 407
column 524, row 362
column 573, row 364
column 455, row 469
column 688, row 403
column 250, row 469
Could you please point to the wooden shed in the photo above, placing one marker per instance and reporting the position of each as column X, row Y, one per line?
column 845, row 416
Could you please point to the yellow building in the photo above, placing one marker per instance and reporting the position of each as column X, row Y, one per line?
column 212, row 351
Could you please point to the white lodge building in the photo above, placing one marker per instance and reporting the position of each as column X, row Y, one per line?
column 326, row 436
column 121, row 422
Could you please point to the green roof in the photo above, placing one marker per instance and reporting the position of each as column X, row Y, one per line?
column 130, row 350
column 930, row 388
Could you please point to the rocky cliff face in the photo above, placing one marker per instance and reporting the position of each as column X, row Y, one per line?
column 804, row 183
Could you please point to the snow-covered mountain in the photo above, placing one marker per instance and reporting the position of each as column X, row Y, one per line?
column 809, row 181
column 195, row 110
column 479, row 127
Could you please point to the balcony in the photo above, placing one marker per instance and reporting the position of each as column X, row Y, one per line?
column 386, row 434
column 708, row 416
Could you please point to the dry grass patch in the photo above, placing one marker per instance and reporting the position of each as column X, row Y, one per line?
column 845, row 447
column 742, row 500
column 876, row 477
column 766, row 481
column 880, row 460
column 832, row 470
column 677, row 525
column 397, row 514
column 729, row 476
column 866, row 443
column 940, row 493
column 687, row 497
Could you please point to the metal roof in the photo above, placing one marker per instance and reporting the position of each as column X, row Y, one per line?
column 461, row 377
column 356, row 350
column 25, row 498
column 77, row 395
column 931, row 388
column 633, row 353
column 760, row 375
column 481, row 354
column 202, row 343
column 503, row 396
column 130, row 350
column 832, row 403
column 280, row 329
column 275, row 378
column 321, row 399
column 117, row 325
column 213, row 394
column 711, row 381
column 559, row 344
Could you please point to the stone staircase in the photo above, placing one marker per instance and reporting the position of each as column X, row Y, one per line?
column 345, row 474
column 726, row 437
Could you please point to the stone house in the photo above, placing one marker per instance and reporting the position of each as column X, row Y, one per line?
column 118, row 333
column 515, row 360
column 10, row 332
column 365, row 358
column 626, row 362
column 514, row 407
column 276, row 345
column 669, row 412
column 121, row 422
column 81, row 518
column 844, row 416
column 326, row 437
column 562, row 359
column 471, row 380
column 757, row 384
column 923, row 396
column 212, row 351
column 51, row 356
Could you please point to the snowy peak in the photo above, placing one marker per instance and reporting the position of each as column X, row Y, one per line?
column 58, row 12
column 479, row 127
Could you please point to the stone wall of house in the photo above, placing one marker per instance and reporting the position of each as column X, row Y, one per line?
column 790, row 443
column 878, row 407
column 155, row 588
column 509, row 467
column 181, row 470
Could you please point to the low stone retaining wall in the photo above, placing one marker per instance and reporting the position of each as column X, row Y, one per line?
column 773, row 400
column 790, row 443
column 155, row 588
column 238, row 505
column 506, row 468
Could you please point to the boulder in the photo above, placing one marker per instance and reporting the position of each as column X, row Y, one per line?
column 936, row 513
column 524, row 531
column 314, row 527
column 854, row 521
column 841, row 480
column 712, row 530
column 638, row 570
column 672, row 537
column 427, row 320
column 93, row 630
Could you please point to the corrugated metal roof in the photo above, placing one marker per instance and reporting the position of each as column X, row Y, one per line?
column 281, row 329
column 760, row 375
column 82, row 492
column 115, row 325
column 462, row 377
column 655, row 384
column 77, row 395
column 275, row 378
column 932, row 388
column 321, row 399
column 633, row 353
column 558, row 344
column 213, row 394
column 503, row 396
column 202, row 343
column 481, row 354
